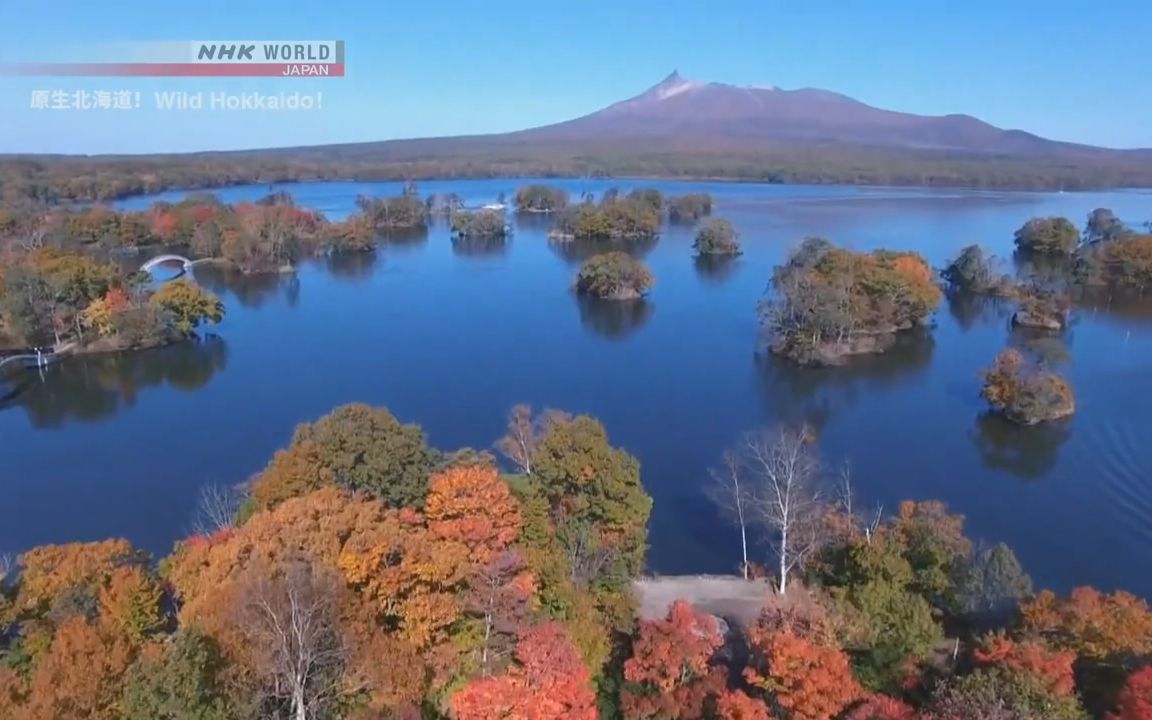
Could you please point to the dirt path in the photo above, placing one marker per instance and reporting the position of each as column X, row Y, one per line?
column 726, row 596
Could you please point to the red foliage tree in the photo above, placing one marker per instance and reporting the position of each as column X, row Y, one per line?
column 1135, row 701
column 1029, row 657
column 735, row 705
column 811, row 681
column 549, row 682
column 669, row 652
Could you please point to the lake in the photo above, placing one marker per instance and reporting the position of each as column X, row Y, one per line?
column 452, row 335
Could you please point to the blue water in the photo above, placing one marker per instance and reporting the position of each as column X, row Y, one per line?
column 451, row 337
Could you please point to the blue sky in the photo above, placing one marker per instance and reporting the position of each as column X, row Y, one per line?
column 1067, row 70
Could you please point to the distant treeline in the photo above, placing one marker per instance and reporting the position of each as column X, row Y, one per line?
column 49, row 179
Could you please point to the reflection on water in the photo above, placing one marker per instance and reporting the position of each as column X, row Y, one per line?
column 479, row 247
column 577, row 250
column 250, row 290
column 90, row 388
column 614, row 319
column 971, row 309
column 1043, row 346
column 814, row 395
column 716, row 268
column 452, row 344
column 403, row 239
column 351, row 265
column 1026, row 452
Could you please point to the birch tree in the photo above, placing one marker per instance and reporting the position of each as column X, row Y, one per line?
column 290, row 616
column 729, row 491
column 786, row 481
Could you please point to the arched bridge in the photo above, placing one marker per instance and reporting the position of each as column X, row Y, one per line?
column 165, row 259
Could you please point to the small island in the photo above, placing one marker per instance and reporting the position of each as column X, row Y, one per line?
column 717, row 238
column 829, row 303
column 614, row 276
column 479, row 224
column 540, row 199
column 1053, row 236
column 1026, row 393
column 613, row 218
column 689, row 208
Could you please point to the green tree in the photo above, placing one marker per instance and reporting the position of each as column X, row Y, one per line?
column 188, row 304
column 1048, row 236
column 992, row 583
column 177, row 683
column 597, row 501
column 366, row 448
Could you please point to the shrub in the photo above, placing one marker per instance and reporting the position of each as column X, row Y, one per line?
column 689, row 208
column 717, row 237
column 614, row 276
column 1025, row 394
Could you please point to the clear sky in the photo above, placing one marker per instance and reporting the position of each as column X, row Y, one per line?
column 1070, row 70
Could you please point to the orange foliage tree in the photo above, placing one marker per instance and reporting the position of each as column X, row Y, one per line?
column 1135, row 700
column 294, row 471
column 1052, row 668
column 1091, row 623
column 548, row 682
column 668, row 674
column 811, row 680
column 79, row 676
column 472, row 505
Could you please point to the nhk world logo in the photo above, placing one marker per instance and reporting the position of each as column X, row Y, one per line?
column 201, row 58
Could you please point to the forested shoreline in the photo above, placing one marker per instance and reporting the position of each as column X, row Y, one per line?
column 53, row 179
column 364, row 574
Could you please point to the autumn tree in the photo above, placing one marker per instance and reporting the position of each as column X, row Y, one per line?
column 807, row 679
column 1135, row 700
column 367, row 449
column 736, row 705
column 669, row 657
column 188, row 305
column 1025, row 393
column 79, row 675
column 992, row 583
column 596, row 500
column 473, row 506
column 289, row 614
column 993, row 694
column 1051, row 668
column 1110, row 628
column 934, row 543
column 294, row 471
column 501, row 594
column 547, row 682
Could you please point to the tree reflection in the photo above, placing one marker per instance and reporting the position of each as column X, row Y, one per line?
column 90, row 388
column 813, row 395
column 716, row 268
column 351, row 265
column 613, row 319
column 577, row 250
column 403, row 239
column 971, row 309
column 480, row 247
column 249, row 289
column 1026, row 452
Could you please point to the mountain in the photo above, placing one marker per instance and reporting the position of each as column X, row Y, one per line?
column 721, row 115
column 678, row 128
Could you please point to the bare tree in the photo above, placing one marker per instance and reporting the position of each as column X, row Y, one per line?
column 501, row 605
column 217, row 507
column 731, row 495
column 786, row 482
column 525, row 433
column 289, row 614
